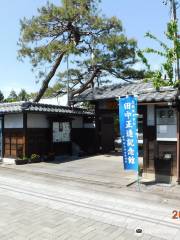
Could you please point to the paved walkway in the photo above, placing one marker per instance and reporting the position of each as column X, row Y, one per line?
column 57, row 201
column 100, row 169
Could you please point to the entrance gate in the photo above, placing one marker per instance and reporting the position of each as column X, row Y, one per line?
column 107, row 134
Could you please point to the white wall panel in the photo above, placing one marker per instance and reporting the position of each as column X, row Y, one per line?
column 13, row 120
column 89, row 125
column 35, row 120
column 166, row 132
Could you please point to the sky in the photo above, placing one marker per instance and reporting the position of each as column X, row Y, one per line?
column 138, row 17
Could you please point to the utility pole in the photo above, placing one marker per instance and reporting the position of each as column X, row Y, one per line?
column 174, row 17
column 68, row 81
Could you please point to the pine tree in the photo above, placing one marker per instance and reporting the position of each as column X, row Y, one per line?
column 1, row 96
column 12, row 97
column 75, row 29
column 23, row 96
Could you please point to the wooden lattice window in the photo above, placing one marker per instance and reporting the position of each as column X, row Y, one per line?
column 14, row 145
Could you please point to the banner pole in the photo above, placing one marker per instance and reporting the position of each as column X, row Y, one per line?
column 138, row 181
column 129, row 129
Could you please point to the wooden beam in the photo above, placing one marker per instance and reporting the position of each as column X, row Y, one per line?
column 3, row 142
column 155, row 103
column 178, row 145
column 25, row 148
column 145, row 139
column 97, row 123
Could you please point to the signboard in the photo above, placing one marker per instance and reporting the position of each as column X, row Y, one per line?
column 61, row 132
column 129, row 131
column 56, row 132
column 66, row 132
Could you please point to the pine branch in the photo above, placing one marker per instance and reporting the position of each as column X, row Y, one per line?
column 84, row 86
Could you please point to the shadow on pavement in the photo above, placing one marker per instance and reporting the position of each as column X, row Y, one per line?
column 68, row 158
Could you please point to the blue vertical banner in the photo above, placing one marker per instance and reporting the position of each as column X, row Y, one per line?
column 129, row 131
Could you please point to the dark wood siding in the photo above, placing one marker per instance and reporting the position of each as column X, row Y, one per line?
column 62, row 148
column 38, row 141
column 151, row 147
column 107, row 133
column 86, row 138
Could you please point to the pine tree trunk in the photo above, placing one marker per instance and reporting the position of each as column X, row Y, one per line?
column 45, row 83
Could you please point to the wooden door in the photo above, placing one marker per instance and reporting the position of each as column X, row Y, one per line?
column 14, row 145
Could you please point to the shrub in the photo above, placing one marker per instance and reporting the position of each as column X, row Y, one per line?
column 35, row 157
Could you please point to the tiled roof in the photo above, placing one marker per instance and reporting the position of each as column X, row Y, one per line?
column 144, row 91
column 16, row 107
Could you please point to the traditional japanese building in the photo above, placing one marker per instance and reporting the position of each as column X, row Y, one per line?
column 158, row 113
column 27, row 128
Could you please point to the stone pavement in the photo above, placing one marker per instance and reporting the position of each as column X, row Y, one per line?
column 57, row 201
column 22, row 220
column 100, row 169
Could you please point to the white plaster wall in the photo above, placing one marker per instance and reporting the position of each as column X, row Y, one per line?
column 77, row 122
column 35, row 120
column 89, row 125
column 167, row 132
column 59, row 100
column 13, row 120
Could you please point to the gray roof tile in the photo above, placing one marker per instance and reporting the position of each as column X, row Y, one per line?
column 16, row 107
column 144, row 91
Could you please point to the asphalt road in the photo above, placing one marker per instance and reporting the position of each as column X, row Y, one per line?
column 46, row 206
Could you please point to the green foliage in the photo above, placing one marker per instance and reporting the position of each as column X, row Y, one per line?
column 12, row 97
column 35, row 157
column 88, row 105
column 54, row 90
column 1, row 97
column 23, row 95
column 112, row 54
column 165, row 76
column 54, row 30
column 13, row 94
column 51, row 91
column 76, row 29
